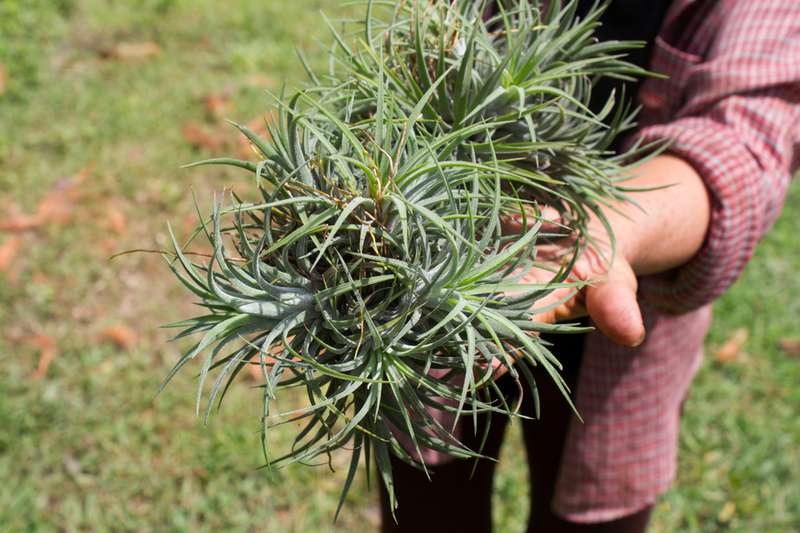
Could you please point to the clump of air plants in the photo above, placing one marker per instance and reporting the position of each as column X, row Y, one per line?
column 372, row 271
column 524, row 68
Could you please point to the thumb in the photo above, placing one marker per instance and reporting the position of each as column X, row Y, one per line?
column 613, row 307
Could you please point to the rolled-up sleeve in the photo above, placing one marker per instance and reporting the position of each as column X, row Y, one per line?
column 738, row 125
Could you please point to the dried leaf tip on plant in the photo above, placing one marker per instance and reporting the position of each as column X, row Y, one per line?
column 372, row 270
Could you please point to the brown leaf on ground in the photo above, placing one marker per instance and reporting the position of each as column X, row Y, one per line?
column 203, row 138
column 8, row 252
column 790, row 346
column 217, row 105
column 55, row 207
column 58, row 205
column 131, row 51
column 20, row 222
column 121, row 336
column 116, row 220
column 731, row 351
column 47, row 353
column 109, row 246
column 3, row 78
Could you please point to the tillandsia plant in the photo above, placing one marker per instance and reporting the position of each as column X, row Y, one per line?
column 527, row 67
column 373, row 272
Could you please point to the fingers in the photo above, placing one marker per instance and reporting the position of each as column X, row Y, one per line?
column 498, row 370
column 610, row 301
column 613, row 307
column 561, row 304
column 550, row 217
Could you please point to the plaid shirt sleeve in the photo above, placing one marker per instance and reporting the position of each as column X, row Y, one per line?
column 732, row 109
column 731, row 106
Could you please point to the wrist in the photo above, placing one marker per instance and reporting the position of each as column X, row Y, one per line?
column 664, row 226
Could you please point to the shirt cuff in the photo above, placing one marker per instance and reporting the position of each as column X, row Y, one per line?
column 733, row 177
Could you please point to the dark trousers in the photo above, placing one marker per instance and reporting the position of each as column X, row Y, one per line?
column 456, row 501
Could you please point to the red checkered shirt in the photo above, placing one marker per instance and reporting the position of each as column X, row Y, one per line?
column 731, row 106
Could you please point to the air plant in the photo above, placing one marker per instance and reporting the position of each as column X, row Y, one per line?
column 373, row 271
column 526, row 67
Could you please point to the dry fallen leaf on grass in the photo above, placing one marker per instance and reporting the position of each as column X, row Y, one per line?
column 731, row 351
column 58, row 205
column 790, row 346
column 109, row 246
column 116, row 221
column 55, row 207
column 132, row 51
column 20, row 222
column 217, row 105
column 121, row 336
column 203, row 138
column 3, row 78
column 215, row 138
column 47, row 353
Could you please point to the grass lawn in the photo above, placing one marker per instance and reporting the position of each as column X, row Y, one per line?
column 101, row 102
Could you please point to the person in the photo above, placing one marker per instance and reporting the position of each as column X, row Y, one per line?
column 731, row 108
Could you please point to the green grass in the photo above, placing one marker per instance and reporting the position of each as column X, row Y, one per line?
column 86, row 447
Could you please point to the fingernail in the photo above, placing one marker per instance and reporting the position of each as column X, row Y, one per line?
column 640, row 341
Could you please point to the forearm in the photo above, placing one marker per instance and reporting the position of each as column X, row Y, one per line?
column 665, row 227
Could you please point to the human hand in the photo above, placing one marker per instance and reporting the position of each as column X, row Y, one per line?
column 664, row 231
column 608, row 284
